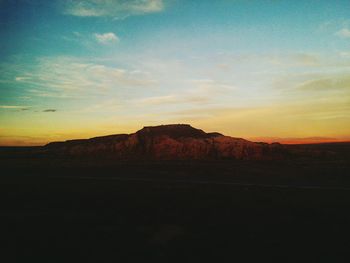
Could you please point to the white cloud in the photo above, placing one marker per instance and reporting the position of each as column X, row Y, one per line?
column 12, row 107
column 211, row 86
column 65, row 77
column 106, row 38
column 118, row 9
column 337, row 83
column 21, row 78
column 171, row 99
column 343, row 33
column 344, row 54
column 205, row 91
column 306, row 59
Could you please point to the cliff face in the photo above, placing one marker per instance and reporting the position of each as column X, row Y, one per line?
column 168, row 142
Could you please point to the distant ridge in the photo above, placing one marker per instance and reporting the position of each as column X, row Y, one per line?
column 168, row 142
column 306, row 140
column 176, row 131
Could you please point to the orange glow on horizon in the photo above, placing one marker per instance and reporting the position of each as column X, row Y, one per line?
column 299, row 140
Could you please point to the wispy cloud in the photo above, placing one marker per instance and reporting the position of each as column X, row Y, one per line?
column 344, row 54
column 118, row 9
column 335, row 83
column 13, row 107
column 343, row 33
column 22, row 78
column 171, row 99
column 110, row 105
column 211, row 87
column 307, row 59
column 64, row 77
column 106, row 38
column 203, row 92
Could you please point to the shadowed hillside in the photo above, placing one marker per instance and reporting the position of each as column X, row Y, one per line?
column 169, row 142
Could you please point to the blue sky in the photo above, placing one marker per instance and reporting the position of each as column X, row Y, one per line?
column 262, row 69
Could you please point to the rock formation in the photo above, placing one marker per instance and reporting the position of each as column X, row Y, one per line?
column 168, row 142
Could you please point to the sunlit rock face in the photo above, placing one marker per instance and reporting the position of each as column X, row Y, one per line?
column 169, row 142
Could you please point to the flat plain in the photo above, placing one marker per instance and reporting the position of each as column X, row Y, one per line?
column 103, row 210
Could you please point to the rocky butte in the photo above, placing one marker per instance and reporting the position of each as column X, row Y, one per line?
column 168, row 142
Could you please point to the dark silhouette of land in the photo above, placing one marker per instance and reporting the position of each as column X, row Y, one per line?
column 60, row 205
column 167, row 142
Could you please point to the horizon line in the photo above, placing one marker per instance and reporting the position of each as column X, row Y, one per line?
column 269, row 140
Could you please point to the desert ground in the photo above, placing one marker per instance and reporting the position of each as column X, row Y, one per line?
column 103, row 210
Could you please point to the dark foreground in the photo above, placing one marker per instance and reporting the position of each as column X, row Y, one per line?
column 57, row 210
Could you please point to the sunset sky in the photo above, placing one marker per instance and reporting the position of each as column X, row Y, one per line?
column 261, row 70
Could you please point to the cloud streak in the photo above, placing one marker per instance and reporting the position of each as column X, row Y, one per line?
column 118, row 9
column 205, row 91
column 336, row 83
column 343, row 33
column 64, row 77
column 13, row 107
column 171, row 99
column 106, row 38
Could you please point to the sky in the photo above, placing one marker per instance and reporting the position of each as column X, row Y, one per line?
column 270, row 70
